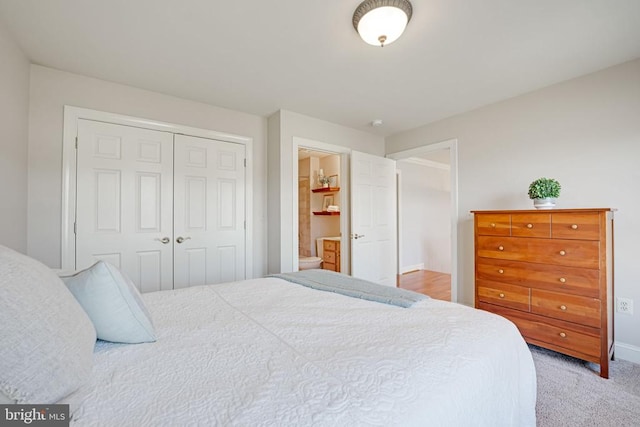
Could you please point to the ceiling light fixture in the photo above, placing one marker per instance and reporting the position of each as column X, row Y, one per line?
column 381, row 22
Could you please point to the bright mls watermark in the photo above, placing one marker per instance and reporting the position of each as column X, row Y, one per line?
column 34, row 415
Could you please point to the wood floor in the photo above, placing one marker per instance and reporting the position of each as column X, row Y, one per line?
column 436, row 285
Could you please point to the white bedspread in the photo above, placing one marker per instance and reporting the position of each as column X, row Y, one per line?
column 267, row 352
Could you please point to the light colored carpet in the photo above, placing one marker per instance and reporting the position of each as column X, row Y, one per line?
column 571, row 392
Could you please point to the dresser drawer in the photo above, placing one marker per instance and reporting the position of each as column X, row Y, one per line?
column 512, row 296
column 581, row 226
column 571, row 280
column 329, row 266
column 570, row 308
column 329, row 245
column 329, row 257
column 570, row 253
column 531, row 225
column 558, row 335
column 493, row 224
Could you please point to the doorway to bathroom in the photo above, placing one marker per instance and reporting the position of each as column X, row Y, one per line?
column 319, row 210
column 367, row 211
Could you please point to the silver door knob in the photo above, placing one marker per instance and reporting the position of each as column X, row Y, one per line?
column 357, row 236
column 182, row 239
column 164, row 240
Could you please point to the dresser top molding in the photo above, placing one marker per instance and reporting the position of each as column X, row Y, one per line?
column 546, row 210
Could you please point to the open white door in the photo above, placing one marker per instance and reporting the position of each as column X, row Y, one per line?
column 373, row 218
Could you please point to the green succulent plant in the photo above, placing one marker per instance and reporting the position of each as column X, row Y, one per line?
column 544, row 187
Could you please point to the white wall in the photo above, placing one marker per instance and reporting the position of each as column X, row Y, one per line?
column 425, row 214
column 283, row 127
column 584, row 132
column 14, row 116
column 274, row 187
column 52, row 89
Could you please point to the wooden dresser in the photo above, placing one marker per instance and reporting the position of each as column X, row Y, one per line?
column 331, row 255
column 551, row 273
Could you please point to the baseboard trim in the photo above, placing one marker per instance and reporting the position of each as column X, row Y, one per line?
column 414, row 267
column 627, row 352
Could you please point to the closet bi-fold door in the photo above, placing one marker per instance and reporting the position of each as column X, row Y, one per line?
column 209, row 211
column 124, row 201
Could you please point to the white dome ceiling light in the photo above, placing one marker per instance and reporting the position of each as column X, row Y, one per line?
column 381, row 22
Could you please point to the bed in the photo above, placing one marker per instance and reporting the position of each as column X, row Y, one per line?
column 271, row 352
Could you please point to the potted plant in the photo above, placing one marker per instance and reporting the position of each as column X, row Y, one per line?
column 544, row 191
column 324, row 181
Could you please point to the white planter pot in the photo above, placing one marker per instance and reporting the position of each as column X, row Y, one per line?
column 546, row 203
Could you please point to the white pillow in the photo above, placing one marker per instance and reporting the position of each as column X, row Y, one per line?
column 113, row 304
column 4, row 400
column 46, row 338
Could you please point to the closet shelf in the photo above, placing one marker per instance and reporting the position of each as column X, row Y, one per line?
column 326, row 213
column 326, row 189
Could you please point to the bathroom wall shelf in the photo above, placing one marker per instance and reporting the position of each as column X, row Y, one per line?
column 326, row 190
column 326, row 213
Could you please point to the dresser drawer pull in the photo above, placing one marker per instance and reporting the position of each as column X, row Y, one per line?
column 501, row 295
column 501, row 271
column 574, row 227
column 501, row 248
column 563, row 280
column 562, row 253
column 563, row 307
column 529, row 225
column 563, row 335
column 493, row 224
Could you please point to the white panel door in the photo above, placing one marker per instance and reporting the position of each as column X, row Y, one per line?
column 209, row 212
column 373, row 218
column 124, row 205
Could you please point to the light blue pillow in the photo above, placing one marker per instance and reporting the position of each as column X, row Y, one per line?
column 113, row 304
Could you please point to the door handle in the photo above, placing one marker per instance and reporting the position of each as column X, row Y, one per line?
column 182, row 239
column 164, row 240
column 357, row 236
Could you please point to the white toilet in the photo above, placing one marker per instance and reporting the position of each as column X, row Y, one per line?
column 309, row 262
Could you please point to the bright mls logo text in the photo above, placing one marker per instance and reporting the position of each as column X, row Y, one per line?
column 37, row 414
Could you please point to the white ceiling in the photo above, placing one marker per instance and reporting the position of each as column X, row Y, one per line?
column 259, row 56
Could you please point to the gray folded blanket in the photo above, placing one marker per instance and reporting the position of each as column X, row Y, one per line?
column 325, row 280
